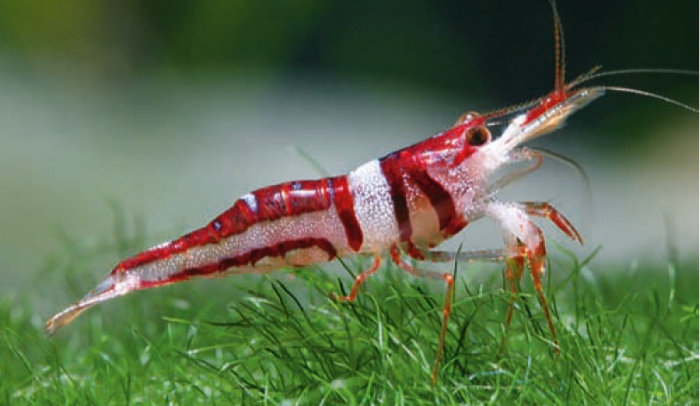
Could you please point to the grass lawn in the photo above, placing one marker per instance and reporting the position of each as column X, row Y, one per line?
column 627, row 337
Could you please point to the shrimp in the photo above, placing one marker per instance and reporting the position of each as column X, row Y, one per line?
column 404, row 204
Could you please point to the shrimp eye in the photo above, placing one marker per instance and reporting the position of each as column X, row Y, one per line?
column 477, row 136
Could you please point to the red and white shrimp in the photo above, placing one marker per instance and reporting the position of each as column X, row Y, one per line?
column 403, row 204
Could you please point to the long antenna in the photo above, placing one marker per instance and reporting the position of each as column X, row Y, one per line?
column 559, row 50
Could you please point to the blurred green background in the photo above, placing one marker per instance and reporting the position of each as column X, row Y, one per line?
column 170, row 110
column 495, row 48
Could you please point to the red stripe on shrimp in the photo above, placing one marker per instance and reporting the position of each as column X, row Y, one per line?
column 344, row 206
column 198, row 237
column 393, row 173
column 248, row 259
column 291, row 199
column 439, row 197
column 268, row 204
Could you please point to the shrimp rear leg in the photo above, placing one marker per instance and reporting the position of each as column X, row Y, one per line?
column 449, row 280
column 461, row 256
column 442, row 256
column 359, row 280
column 433, row 256
column 422, row 255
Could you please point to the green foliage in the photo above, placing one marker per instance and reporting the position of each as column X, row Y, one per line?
column 625, row 338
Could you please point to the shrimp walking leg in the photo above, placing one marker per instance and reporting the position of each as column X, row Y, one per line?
column 514, row 272
column 524, row 242
column 443, row 256
column 494, row 255
column 449, row 280
column 359, row 280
